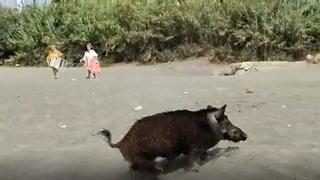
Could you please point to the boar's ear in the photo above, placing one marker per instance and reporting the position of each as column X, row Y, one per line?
column 220, row 112
column 210, row 107
column 211, row 118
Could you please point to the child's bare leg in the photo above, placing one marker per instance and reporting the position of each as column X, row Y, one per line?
column 55, row 71
column 89, row 73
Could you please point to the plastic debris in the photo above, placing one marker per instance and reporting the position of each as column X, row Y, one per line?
column 248, row 91
column 313, row 59
column 138, row 108
column 239, row 69
column 62, row 125
column 185, row 92
column 74, row 79
column 283, row 106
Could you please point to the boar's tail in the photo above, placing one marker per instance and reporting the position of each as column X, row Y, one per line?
column 107, row 134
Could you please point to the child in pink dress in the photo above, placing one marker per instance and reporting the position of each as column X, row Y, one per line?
column 91, row 61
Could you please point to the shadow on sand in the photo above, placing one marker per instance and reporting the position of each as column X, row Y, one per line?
column 180, row 163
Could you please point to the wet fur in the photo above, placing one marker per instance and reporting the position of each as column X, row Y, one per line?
column 167, row 135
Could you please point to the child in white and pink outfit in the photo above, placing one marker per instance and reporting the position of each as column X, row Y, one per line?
column 91, row 61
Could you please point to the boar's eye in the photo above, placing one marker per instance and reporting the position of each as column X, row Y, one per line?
column 236, row 133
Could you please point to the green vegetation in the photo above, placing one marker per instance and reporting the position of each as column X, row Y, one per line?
column 163, row 30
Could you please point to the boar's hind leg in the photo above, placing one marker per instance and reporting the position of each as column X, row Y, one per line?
column 203, row 155
column 140, row 163
column 172, row 156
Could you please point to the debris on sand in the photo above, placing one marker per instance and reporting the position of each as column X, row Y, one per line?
column 258, row 105
column 138, row 108
column 228, row 72
column 185, row 92
column 62, row 125
column 239, row 69
column 289, row 125
column 17, row 65
column 283, row 106
column 313, row 59
column 73, row 79
column 248, row 91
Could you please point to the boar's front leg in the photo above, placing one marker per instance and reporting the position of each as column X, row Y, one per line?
column 194, row 158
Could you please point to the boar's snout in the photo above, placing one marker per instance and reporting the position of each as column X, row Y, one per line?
column 236, row 135
column 245, row 137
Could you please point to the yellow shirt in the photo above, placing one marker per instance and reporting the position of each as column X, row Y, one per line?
column 54, row 53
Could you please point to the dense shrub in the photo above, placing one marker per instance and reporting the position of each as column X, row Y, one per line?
column 162, row 30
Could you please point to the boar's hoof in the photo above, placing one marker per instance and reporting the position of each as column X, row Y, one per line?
column 193, row 168
column 159, row 170
column 135, row 167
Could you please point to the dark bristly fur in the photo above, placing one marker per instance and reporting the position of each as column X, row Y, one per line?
column 170, row 134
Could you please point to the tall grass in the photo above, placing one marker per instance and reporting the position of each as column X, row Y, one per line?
column 146, row 30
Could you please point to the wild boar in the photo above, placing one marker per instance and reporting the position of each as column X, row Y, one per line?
column 170, row 134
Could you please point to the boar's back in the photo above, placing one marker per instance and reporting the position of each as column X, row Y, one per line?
column 166, row 134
